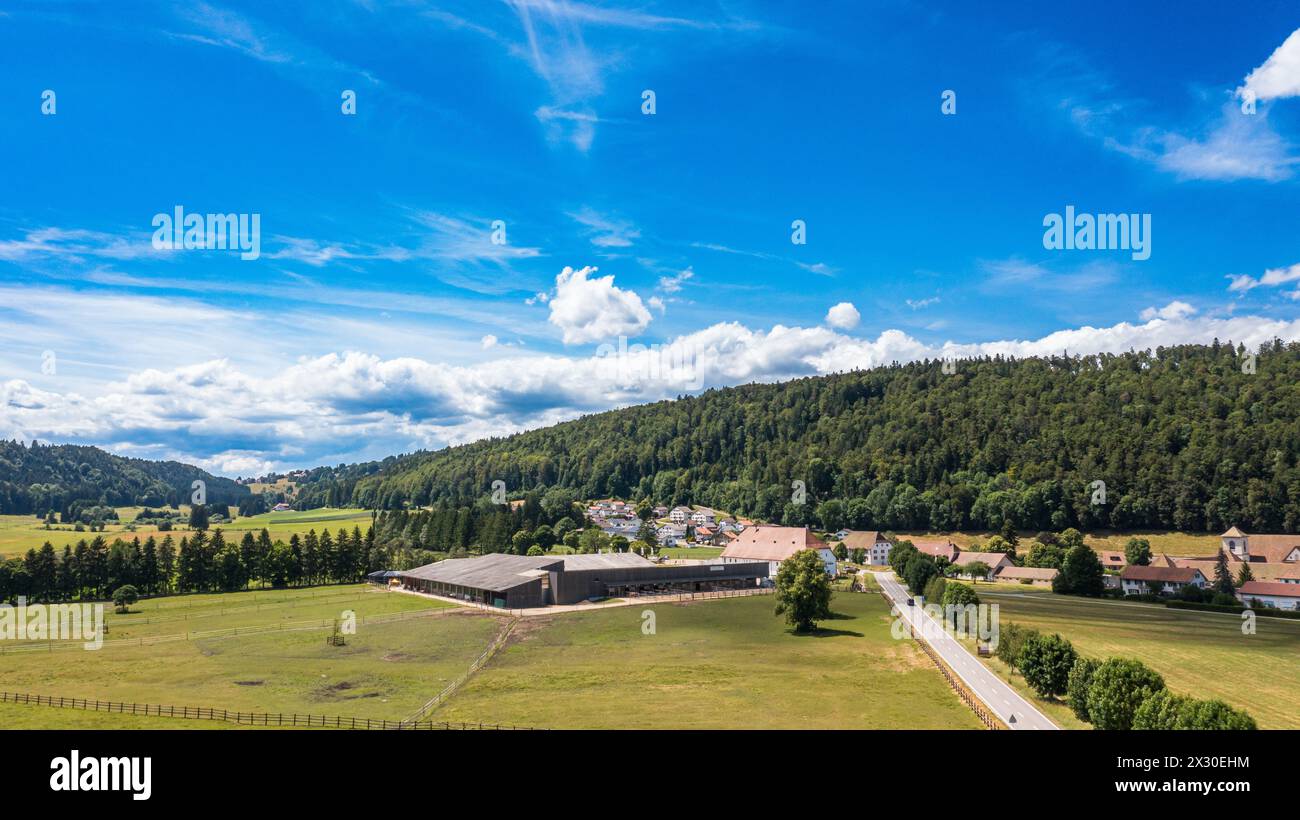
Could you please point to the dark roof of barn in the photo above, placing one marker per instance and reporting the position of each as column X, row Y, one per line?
column 495, row 571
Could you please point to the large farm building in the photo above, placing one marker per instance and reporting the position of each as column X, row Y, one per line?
column 518, row 581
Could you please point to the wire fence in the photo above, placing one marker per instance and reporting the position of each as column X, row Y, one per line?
column 624, row 600
column 282, row 719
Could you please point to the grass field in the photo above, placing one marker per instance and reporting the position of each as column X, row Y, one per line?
column 716, row 664
column 1203, row 654
column 1173, row 543
column 19, row 533
column 725, row 663
column 386, row 670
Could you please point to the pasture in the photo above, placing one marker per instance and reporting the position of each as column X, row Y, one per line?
column 1204, row 654
column 19, row 533
column 710, row 664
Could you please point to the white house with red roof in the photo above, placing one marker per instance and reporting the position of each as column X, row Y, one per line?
column 776, row 544
column 1270, row 593
column 1137, row 579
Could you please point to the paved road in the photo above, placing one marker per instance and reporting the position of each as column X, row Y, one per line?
column 1014, row 710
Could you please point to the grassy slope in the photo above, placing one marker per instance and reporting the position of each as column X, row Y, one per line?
column 717, row 664
column 1198, row 653
column 385, row 670
column 19, row 533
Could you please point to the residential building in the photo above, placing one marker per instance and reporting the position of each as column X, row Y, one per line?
column 937, row 547
column 1137, row 579
column 776, row 544
column 995, row 560
column 1037, row 576
column 1270, row 593
column 872, row 542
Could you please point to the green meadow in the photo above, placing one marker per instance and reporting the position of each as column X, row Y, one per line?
column 1204, row 654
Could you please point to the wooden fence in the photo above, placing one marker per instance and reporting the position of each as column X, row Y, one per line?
column 986, row 716
column 241, row 718
column 433, row 703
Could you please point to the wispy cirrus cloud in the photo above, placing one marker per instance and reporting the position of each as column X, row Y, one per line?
column 1228, row 143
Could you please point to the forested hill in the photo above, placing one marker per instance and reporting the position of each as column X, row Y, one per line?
column 1182, row 438
column 67, row 477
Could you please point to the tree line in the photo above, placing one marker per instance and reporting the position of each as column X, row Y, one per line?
column 198, row 562
column 1193, row 438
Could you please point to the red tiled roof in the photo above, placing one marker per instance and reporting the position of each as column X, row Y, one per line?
column 772, row 543
column 1173, row 575
column 1267, row 588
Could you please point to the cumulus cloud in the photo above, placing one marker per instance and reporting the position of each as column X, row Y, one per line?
column 844, row 316
column 1279, row 76
column 588, row 310
column 351, row 406
column 1173, row 310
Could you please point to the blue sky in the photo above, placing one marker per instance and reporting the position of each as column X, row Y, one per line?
column 381, row 317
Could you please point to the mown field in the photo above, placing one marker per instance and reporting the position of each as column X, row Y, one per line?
column 721, row 664
column 19, row 533
column 1173, row 543
column 1203, row 654
column 386, row 670
column 716, row 664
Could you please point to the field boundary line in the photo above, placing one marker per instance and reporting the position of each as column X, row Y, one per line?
column 437, row 700
column 270, row 719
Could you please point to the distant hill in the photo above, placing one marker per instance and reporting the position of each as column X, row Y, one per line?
column 65, row 477
column 1184, row 438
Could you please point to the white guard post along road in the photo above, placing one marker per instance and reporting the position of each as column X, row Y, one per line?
column 1004, row 701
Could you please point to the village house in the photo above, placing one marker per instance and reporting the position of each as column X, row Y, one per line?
column 936, row 547
column 994, row 560
column 1270, row 593
column 680, row 515
column 1111, row 560
column 1137, row 580
column 1036, row 576
column 775, row 545
column 704, row 517
column 873, row 543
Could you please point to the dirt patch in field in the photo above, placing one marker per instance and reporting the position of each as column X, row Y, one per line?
column 249, row 682
column 395, row 656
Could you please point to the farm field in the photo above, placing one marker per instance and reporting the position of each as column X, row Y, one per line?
column 717, row 664
column 19, row 533
column 1203, row 654
column 1173, row 543
column 386, row 670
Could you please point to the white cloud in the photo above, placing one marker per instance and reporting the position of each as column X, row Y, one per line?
column 1173, row 310
column 241, row 418
column 673, row 283
column 1271, row 278
column 489, row 341
column 844, row 316
column 588, row 310
column 1279, row 76
column 606, row 231
column 917, row 304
